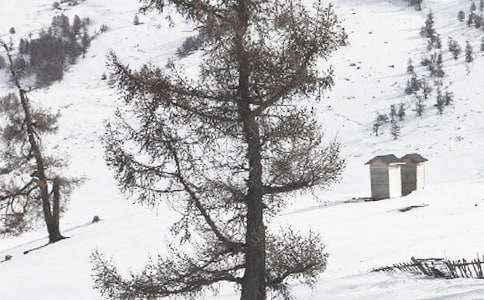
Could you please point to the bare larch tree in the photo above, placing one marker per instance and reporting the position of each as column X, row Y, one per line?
column 228, row 148
column 30, row 189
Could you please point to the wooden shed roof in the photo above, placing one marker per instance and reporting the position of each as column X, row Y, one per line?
column 387, row 159
column 414, row 157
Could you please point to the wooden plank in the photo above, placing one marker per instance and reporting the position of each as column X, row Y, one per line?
column 420, row 266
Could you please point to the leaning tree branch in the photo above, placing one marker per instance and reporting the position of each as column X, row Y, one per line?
column 232, row 246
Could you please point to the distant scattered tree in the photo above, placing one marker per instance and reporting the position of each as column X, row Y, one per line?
column 393, row 112
column 85, row 22
column 470, row 19
column 448, row 98
column 395, row 130
column 380, row 120
column 416, row 3
column 434, row 43
column 344, row 37
column 401, row 112
column 85, row 42
column 481, row 6
column 477, row 21
column 438, row 69
column 76, row 25
column 12, row 30
column 461, row 16
column 440, row 102
column 454, row 48
column 376, row 128
column 469, row 52
column 419, row 106
column 60, row 26
column 473, row 7
column 410, row 67
column 426, row 61
column 428, row 30
column 413, row 85
column 426, row 89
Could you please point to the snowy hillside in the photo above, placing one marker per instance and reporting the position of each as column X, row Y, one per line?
column 370, row 76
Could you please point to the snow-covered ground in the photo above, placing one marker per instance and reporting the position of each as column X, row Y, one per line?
column 371, row 75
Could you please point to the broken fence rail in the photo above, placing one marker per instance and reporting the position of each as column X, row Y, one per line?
column 439, row 268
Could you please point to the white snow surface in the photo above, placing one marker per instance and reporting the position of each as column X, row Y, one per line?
column 370, row 75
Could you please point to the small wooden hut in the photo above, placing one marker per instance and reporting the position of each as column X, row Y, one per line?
column 385, row 174
column 413, row 173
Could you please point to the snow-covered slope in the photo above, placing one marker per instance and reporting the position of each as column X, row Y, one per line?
column 370, row 76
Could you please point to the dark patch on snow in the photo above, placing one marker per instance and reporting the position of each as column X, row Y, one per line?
column 408, row 208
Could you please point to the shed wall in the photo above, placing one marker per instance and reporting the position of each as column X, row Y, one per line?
column 420, row 176
column 379, row 182
column 409, row 178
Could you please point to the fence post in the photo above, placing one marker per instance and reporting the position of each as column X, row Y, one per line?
column 420, row 266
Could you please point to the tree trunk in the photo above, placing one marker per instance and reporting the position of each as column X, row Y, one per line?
column 56, row 235
column 51, row 218
column 254, row 282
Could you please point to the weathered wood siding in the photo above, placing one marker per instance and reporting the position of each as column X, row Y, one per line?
column 413, row 177
column 380, row 188
column 409, row 178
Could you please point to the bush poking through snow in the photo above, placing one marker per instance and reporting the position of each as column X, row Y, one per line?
column 103, row 28
column 136, row 20
column 461, row 16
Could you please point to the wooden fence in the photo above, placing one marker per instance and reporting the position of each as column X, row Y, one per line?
column 439, row 268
